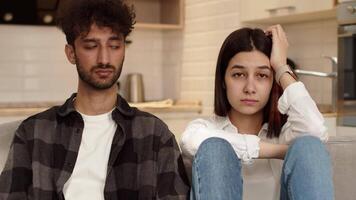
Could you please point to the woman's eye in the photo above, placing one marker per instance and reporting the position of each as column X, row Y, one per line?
column 238, row 75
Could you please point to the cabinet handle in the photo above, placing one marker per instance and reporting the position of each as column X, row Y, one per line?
column 347, row 31
column 281, row 8
column 351, row 9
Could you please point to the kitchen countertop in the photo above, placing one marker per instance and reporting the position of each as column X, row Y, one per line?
column 165, row 106
column 327, row 110
column 30, row 108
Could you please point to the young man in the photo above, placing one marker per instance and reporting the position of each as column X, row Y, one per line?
column 95, row 146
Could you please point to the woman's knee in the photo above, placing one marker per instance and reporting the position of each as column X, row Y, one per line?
column 215, row 145
column 308, row 161
column 216, row 160
column 309, row 149
column 216, row 150
column 305, row 144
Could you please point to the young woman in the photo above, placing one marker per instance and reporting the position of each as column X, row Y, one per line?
column 262, row 114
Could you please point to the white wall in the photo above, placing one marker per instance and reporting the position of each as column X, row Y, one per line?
column 33, row 66
column 207, row 23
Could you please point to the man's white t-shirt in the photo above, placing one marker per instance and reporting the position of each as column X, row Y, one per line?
column 89, row 174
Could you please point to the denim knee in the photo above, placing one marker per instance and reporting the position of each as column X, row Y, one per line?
column 307, row 170
column 216, row 171
column 306, row 143
column 215, row 146
column 307, row 150
column 216, row 150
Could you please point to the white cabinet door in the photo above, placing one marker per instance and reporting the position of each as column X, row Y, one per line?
column 305, row 6
column 282, row 7
column 252, row 10
column 256, row 9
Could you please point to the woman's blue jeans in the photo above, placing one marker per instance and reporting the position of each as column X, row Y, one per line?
column 306, row 174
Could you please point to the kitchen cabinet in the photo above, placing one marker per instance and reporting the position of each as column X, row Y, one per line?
column 285, row 11
column 158, row 14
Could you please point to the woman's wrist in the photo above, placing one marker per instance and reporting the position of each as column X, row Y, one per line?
column 287, row 79
column 281, row 70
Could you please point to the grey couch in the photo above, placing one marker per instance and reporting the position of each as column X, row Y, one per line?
column 342, row 151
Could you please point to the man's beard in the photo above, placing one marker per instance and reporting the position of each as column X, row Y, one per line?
column 97, row 84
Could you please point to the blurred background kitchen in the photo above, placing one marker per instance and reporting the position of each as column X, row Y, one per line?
column 174, row 48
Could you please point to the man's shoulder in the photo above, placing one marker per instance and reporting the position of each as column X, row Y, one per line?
column 49, row 114
column 148, row 119
column 145, row 123
column 45, row 117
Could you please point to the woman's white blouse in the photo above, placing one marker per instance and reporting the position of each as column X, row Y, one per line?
column 304, row 118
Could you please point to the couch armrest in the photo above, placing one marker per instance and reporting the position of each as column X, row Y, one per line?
column 7, row 131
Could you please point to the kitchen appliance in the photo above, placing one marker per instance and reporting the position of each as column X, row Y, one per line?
column 135, row 89
column 330, row 75
column 28, row 12
column 346, row 17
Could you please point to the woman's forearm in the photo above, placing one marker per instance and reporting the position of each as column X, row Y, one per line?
column 269, row 150
column 286, row 80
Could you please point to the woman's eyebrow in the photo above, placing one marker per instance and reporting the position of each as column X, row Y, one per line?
column 238, row 67
column 244, row 67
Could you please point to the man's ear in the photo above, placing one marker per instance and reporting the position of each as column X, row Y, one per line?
column 69, row 50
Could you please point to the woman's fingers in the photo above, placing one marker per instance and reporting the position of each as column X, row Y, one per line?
column 279, row 45
column 275, row 34
column 281, row 34
column 271, row 28
column 277, row 31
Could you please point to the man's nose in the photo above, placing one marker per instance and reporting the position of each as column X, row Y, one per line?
column 103, row 56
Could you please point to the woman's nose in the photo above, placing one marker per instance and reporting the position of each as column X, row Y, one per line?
column 250, row 86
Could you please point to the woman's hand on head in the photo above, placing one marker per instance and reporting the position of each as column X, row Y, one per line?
column 279, row 46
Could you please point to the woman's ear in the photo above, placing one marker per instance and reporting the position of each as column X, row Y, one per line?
column 70, row 53
column 223, row 85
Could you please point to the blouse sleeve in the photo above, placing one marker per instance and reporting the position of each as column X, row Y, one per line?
column 304, row 117
column 245, row 146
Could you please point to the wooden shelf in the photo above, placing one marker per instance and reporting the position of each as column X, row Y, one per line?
column 158, row 26
column 27, row 109
column 159, row 14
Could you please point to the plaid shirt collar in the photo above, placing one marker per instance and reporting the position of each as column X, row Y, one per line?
column 121, row 106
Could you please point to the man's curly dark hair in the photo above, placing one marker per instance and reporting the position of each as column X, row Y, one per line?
column 75, row 17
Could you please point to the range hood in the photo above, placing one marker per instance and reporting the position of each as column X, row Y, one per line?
column 28, row 12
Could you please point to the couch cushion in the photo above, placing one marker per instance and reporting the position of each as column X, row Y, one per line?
column 343, row 156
